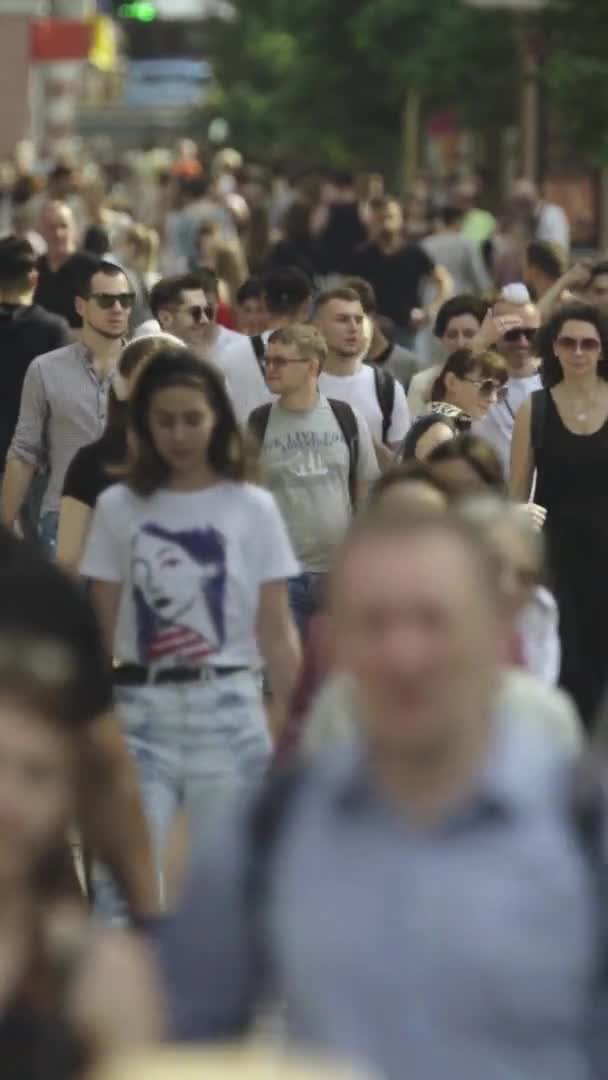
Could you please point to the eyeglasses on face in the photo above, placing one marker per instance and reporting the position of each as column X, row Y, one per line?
column 281, row 362
column 107, row 300
column 197, row 312
column 527, row 332
column 487, row 388
column 585, row 344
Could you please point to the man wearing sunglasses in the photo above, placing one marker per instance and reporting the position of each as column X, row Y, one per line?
column 65, row 396
column 516, row 346
column 185, row 305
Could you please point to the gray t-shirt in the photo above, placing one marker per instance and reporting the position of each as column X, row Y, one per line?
column 305, row 463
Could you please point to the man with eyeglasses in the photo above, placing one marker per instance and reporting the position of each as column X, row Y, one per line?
column 516, row 346
column 65, row 396
column 185, row 305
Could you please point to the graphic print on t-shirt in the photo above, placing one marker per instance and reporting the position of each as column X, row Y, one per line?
column 179, row 583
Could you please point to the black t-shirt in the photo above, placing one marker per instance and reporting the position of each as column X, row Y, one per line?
column 341, row 237
column 36, row 597
column 396, row 278
column 89, row 472
column 56, row 289
column 25, row 333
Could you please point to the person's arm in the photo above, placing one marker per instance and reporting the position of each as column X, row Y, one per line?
column 577, row 277
column 74, row 521
column 106, row 600
column 445, row 288
column 400, row 420
column 25, row 450
column 279, row 643
column 522, row 457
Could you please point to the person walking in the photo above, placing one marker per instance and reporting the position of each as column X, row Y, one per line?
column 187, row 561
column 562, row 433
column 65, row 397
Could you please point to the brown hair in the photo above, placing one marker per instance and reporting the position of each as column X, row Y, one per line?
column 464, row 362
column 349, row 296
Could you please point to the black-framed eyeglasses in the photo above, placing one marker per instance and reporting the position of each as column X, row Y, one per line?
column 198, row 311
column 107, row 300
column 487, row 388
column 518, row 332
column 282, row 361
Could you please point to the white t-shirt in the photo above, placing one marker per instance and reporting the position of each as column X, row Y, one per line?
column 244, row 378
column 191, row 565
column 497, row 427
column 359, row 390
column 419, row 394
column 224, row 340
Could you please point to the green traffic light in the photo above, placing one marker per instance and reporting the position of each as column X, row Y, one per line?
column 139, row 10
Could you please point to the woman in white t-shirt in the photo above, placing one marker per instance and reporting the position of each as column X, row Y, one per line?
column 189, row 566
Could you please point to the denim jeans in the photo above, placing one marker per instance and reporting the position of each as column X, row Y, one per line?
column 195, row 746
column 305, row 598
column 47, row 531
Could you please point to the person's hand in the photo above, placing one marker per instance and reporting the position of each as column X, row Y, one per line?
column 493, row 328
column 537, row 514
column 418, row 318
column 578, row 276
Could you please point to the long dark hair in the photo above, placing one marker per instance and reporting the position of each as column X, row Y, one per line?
column 147, row 471
column 463, row 362
column 551, row 370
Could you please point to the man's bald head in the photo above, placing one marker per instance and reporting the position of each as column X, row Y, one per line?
column 58, row 230
column 516, row 346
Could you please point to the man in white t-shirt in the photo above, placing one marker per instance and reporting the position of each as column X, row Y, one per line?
column 185, row 305
column 516, row 346
column 375, row 393
column 316, row 458
column 288, row 294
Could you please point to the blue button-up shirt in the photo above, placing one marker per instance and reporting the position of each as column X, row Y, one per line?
column 466, row 950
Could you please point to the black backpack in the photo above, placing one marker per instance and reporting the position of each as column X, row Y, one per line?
column 257, row 344
column 347, row 422
column 385, row 392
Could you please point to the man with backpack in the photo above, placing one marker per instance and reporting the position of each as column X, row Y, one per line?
column 428, row 900
column 288, row 296
column 373, row 390
column 316, row 457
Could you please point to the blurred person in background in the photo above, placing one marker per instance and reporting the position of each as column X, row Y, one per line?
column 316, row 457
column 468, row 384
column 372, row 390
column 65, row 395
column 99, row 464
column 288, row 299
column 251, row 310
column 517, row 321
column 60, row 268
column 561, row 433
column 545, row 265
column 544, row 220
column 449, row 248
column 446, row 794
column 224, row 257
column 382, row 351
column 597, row 287
column 188, row 564
column 338, row 223
column 457, row 326
column 466, row 465
column 70, row 994
column 478, row 224
column 397, row 271
column 297, row 246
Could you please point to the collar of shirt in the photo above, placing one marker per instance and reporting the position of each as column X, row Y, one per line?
column 501, row 789
column 87, row 356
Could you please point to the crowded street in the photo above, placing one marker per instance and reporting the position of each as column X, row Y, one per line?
column 303, row 533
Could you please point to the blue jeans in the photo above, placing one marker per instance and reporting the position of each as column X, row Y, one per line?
column 47, row 530
column 195, row 746
column 305, row 598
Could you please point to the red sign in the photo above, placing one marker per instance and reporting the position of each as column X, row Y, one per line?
column 59, row 39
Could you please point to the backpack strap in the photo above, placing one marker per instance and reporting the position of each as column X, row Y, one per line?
column 258, row 421
column 538, row 420
column 257, row 344
column 347, row 422
column 385, row 392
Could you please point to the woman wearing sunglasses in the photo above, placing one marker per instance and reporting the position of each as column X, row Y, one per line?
column 467, row 385
column 562, row 433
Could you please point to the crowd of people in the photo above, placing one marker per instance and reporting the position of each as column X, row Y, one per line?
column 302, row 673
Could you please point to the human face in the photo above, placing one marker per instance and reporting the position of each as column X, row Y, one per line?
column 597, row 292
column 416, row 627
column 578, row 348
column 391, row 222
column 252, row 316
column 287, row 371
column 459, row 332
column 342, row 324
column 474, row 393
column 191, row 320
column 36, row 788
column 181, row 426
column 58, row 230
column 110, row 322
column 517, row 345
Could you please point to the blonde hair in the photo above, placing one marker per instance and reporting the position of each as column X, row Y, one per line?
column 306, row 338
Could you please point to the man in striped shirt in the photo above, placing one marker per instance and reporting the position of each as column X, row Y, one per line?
column 65, row 396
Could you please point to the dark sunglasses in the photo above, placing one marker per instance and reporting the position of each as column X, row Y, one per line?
column 586, row 344
column 283, row 361
column 520, row 331
column 196, row 312
column 107, row 300
column 487, row 387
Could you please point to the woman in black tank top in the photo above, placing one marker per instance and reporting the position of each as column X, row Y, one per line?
column 567, row 444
